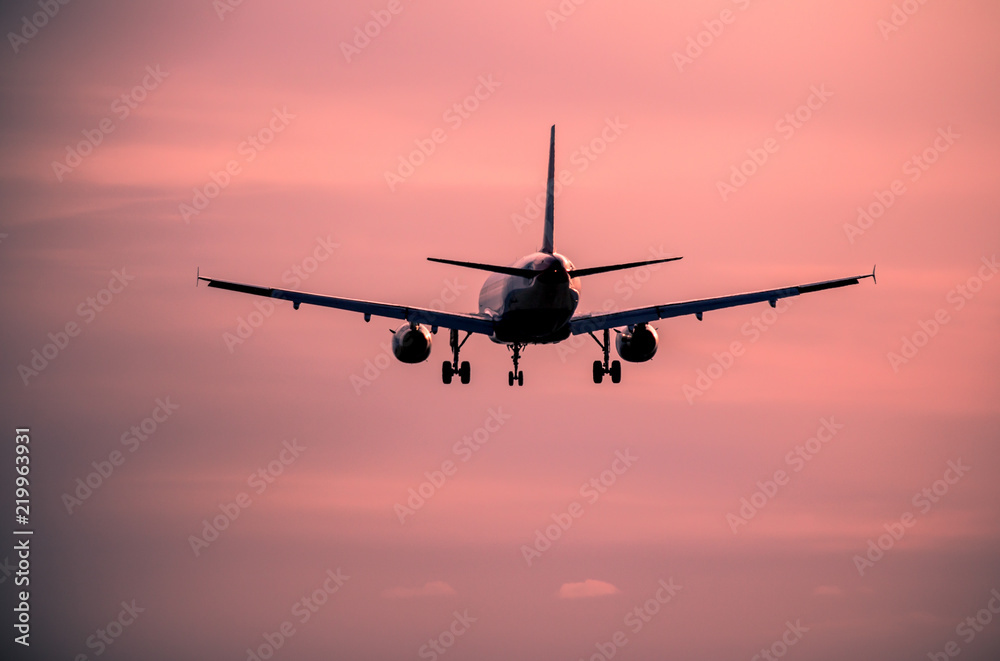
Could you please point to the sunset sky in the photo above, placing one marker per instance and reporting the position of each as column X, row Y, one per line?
column 817, row 481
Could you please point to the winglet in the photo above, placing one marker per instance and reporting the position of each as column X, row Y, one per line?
column 197, row 277
column 873, row 274
column 547, row 238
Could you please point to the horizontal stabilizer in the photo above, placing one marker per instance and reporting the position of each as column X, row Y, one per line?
column 579, row 273
column 531, row 273
column 506, row 270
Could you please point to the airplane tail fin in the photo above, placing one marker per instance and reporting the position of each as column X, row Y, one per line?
column 548, row 245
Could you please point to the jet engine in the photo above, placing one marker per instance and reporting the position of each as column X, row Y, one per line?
column 411, row 343
column 637, row 344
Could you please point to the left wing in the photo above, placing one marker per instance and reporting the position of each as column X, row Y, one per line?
column 473, row 323
column 588, row 323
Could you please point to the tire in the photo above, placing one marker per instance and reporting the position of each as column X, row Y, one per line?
column 465, row 372
column 616, row 372
column 446, row 372
column 510, row 378
column 520, row 378
column 598, row 371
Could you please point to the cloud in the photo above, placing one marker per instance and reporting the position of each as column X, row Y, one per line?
column 588, row 588
column 429, row 589
column 828, row 590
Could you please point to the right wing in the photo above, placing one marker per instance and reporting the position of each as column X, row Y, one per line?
column 473, row 323
column 589, row 323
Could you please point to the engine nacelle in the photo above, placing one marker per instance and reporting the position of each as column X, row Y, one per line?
column 411, row 343
column 637, row 344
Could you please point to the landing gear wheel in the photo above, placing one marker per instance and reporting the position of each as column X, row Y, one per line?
column 450, row 369
column 606, row 366
column 515, row 374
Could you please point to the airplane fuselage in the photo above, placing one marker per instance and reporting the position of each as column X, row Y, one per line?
column 532, row 310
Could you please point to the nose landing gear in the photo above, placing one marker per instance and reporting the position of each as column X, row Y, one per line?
column 602, row 368
column 516, row 374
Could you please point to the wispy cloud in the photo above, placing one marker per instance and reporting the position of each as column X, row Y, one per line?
column 428, row 589
column 828, row 591
column 588, row 588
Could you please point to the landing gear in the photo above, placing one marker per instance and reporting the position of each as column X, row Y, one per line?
column 614, row 368
column 516, row 374
column 451, row 368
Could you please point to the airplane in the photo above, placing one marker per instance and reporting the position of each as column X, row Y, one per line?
column 533, row 301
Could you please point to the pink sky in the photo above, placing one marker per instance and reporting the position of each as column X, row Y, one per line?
column 455, row 571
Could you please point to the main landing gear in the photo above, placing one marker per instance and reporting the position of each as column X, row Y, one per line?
column 449, row 369
column 516, row 374
column 600, row 369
